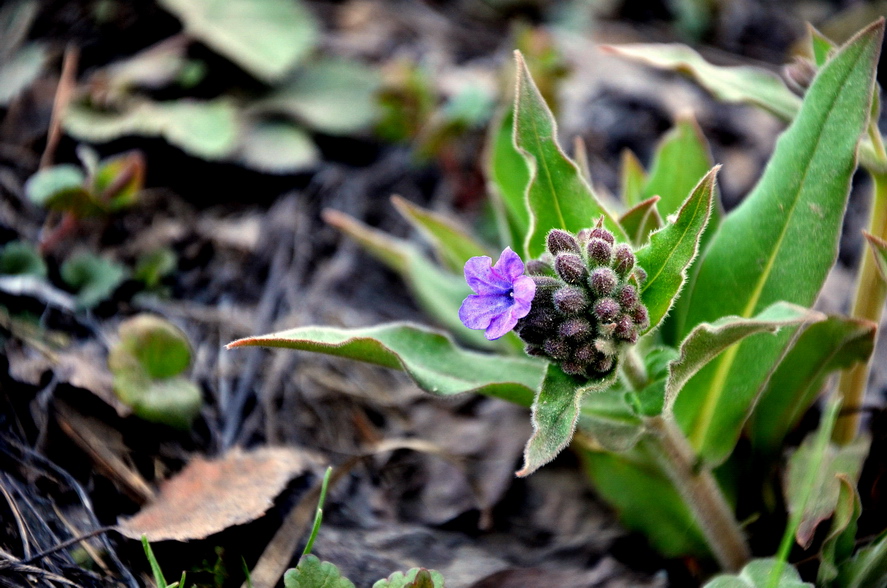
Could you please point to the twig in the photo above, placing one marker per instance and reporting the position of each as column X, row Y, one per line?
column 63, row 93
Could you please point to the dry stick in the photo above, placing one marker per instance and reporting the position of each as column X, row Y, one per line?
column 62, row 97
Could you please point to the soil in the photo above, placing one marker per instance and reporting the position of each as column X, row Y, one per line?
column 423, row 481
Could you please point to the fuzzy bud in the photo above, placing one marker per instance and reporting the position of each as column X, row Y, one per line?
column 628, row 297
column 574, row 368
column 556, row 349
column 602, row 281
column 640, row 317
column 559, row 241
column 623, row 259
column 534, row 350
column 602, row 233
column 640, row 275
column 585, row 354
column 537, row 267
column 604, row 365
column 605, row 347
column 575, row 328
column 606, row 310
column 625, row 329
column 570, row 268
column 599, row 252
column 570, row 300
column 583, row 236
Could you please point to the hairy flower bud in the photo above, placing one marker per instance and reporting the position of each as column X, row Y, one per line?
column 628, row 297
column 599, row 252
column 559, row 241
column 623, row 259
column 602, row 281
column 575, row 328
column 640, row 275
column 537, row 267
column 570, row 300
column 625, row 329
column 606, row 310
column 600, row 232
column 556, row 348
column 570, row 268
column 640, row 317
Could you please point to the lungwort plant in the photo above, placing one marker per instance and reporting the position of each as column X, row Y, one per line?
column 672, row 344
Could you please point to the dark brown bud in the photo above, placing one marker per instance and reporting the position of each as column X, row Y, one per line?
column 534, row 350
column 559, row 241
column 570, row 300
column 606, row 310
column 640, row 275
column 604, row 365
column 575, row 328
column 640, row 317
column 573, row 368
column 602, row 233
column 625, row 329
column 628, row 297
column 623, row 259
column 599, row 252
column 537, row 267
column 602, row 281
column 583, row 236
column 556, row 348
column 799, row 74
column 585, row 354
column 570, row 268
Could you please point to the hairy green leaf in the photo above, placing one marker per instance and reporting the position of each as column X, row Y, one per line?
column 742, row 84
column 838, row 545
column 707, row 341
column 555, row 415
column 609, row 421
column 779, row 244
column 313, row 573
column 632, row 178
column 509, row 178
column 265, row 37
column 414, row 578
column 641, row 220
column 823, row 348
column 758, row 574
column 452, row 243
column 673, row 248
column 558, row 195
column 429, row 357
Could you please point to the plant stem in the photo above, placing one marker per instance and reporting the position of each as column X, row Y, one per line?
column 871, row 293
column 634, row 370
column 700, row 493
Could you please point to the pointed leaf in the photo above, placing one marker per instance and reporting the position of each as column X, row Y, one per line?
column 821, row 47
column 840, row 541
column 509, row 178
column 867, row 568
column 558, row 196
column 673, row 248
column 779, row 244
column 879, row 250
column 812, row 485
column 429, row 357
column 825, row 347
column 758, row 574
column 555, row 414
column 741, row 84
column 414, row 578
column 682, row 159
column 452, row 243
column 641, row 220
column 313, row 573
column 707, row 341
column 632, row 178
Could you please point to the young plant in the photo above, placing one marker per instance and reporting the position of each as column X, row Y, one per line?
column 655, row 345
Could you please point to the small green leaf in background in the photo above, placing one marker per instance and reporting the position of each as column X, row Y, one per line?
column 738, row 84
column 276, row 147
column 147, row 364
column 452, row 243
column 414, row 578
column 20, row 63
column 822, row 466
column 707, row 341
column 93, row 278
column 632, row 178
column 19, row 258
column 59, row 187
column 757, row 574
column 840, row 542
column 429, row 357
column 673, row 248
column 779, row 244
column 821, row 47
column 559, row 197
column 823, row 348
column 682, row 158
column 155, row 265
column 609, row 421
column 879, row 250
column 265, row 37
column 313, row 573
column 508, row 177
column 641, row 220
column 118, row 180
column 555, row 415
column 867, row 567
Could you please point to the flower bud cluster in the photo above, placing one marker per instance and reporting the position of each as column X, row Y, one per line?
column 587, row 307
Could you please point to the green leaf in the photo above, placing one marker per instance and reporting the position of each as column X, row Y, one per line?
column 708, row 340
column 609, row 421
column 838, row 545
column 757, row 574
column 335, row 96
column 737, row 84
column 414, row 578
column 439, row 293
column 509, row 178
column 682, row 158
column 20, row 71
column 60, row 187
column 18, row 258
column 555, row 415
column 834, row 344
column 821, row 47
column 673, row 248
column 812, row 484
column 429, row 357
column 265, row 37
column 209, row 130
column 276, row 147
column 779, row 244
column 559, row 197
column 867, row 568
column 152, row 266
column 174, row 402
column 313, row 573
column 452, row 243
column 118, row 180
column 879, row 250
column 632, row 178
column 641, row 220
column 93, row 278
column 631, row 484
column 161, row 349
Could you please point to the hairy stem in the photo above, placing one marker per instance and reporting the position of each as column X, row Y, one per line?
column 634, row 370
column 700, row 492
column 871, row 293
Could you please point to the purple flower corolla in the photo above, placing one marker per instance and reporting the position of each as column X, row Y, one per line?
column 503, row 295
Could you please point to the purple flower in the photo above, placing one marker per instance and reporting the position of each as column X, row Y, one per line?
column 502, row 294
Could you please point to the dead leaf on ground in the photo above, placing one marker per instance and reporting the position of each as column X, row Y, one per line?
column 208, row 496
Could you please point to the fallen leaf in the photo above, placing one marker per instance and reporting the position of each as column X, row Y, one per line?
column 209, row 496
